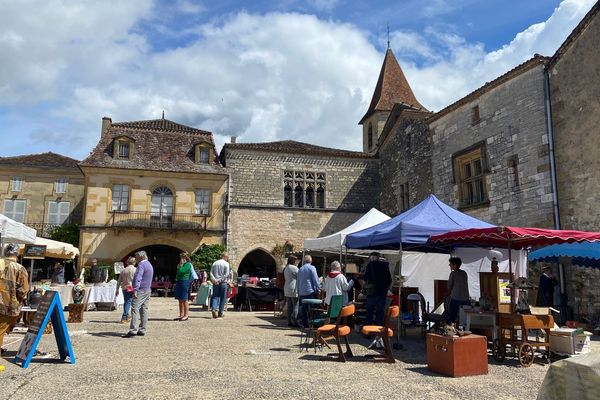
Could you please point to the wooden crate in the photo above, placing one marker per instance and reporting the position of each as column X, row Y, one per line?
column 457, row 356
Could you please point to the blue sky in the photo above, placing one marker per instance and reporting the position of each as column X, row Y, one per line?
column 259, row 70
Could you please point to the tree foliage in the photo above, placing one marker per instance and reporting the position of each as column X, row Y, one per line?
column 68, row 233
column 206, row 254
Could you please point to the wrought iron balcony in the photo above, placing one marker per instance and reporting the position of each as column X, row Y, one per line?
column 42, row 229
column 150, row 220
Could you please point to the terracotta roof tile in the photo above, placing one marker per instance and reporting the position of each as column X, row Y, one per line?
column 294, row 147
column 51, row 160
column 392, row 87
column 158, row 145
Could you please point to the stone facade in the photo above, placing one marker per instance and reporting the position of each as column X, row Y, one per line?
column 407, row 155
column 39, row 174
column 574, row 91
column 512, row 135
column 258, row 217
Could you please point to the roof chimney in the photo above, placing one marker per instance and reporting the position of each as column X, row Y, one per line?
column 106, row 122
column 233, row 139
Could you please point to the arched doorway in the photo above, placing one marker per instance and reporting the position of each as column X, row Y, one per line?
column 163, row 258
column 258, row 263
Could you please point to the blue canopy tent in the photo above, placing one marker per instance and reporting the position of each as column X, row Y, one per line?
column 411, row 229
column 585, row 254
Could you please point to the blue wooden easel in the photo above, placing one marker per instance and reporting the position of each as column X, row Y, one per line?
column 49, row 309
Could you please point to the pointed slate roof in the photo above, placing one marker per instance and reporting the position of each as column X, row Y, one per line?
column 392, row 87
column 48, row 159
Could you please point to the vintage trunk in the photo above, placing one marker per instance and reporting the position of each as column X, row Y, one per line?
column 457, row 356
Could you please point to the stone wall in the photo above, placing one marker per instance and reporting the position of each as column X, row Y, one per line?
column 257, row 179
column 574, row 88
column 378, row 120
column 255, row 228
column 511, row 127
column 407, row 155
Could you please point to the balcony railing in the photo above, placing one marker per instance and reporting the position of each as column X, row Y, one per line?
column 43, row 230
column 149, row 220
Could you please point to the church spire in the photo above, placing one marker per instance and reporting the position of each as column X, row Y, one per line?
column 392, row 87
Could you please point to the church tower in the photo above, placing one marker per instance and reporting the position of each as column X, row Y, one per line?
column 392, row 88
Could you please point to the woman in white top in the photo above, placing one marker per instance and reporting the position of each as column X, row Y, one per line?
column 336, row 283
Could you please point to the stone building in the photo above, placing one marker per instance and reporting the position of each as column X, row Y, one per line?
column 490, row 150
column 287, row 191
column 575, row 101
column 42, row 191
column 153, row 185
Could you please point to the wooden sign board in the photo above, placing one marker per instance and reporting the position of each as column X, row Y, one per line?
column 34, row 252
column 49, row 309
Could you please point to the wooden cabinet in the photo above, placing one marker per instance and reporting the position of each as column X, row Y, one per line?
column 440, row 291
column 494, row 286
column 457, row 356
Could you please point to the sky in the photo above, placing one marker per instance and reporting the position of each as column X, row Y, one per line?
column 259, row 70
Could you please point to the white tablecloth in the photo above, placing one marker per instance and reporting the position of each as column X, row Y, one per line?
column 93, row 294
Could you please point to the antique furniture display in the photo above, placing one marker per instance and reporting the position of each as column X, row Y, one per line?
column 457, row 356
column 520, row 335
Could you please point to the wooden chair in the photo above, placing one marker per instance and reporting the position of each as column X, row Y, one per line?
column 384, row 332
column 333, row 310
column 338, row 331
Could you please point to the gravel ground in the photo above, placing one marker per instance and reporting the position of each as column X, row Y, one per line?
column 246, row 355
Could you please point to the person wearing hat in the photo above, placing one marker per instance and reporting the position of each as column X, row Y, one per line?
column 377, row 283
column 14, row 285
column 545, row 296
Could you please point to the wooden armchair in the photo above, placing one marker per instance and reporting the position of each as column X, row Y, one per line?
column 384, row 332
column 338, row 331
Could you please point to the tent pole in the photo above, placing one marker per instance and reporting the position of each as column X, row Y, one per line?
column 398, row 346
column 30, row 273
column 510, row 274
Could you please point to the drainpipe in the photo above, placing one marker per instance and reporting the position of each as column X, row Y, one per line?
column 227, row 210
column 561, row 268
column 550, row 133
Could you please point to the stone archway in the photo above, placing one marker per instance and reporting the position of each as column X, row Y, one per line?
column 163, row 258
column 258, row 262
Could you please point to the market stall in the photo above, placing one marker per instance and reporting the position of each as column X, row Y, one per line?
column 12, row 231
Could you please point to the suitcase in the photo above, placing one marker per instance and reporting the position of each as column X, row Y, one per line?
column 457, row 356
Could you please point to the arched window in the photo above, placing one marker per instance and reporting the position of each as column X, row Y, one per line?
column 310, row 196
column 321, row 196
column 298, row 196
column 370, row 136
column 162, row 206
column 287, row 195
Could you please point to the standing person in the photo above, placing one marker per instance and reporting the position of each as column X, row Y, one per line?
column 95, row 272
column 58, row 273
column 336, row 284
column 125, row 282
column 377, row 283
column 308, row 286
column 545, row 296
column 14, row 285
column 290, row 275
column 183, row 280
column 220, row 276
column 458, row 287
column 142, row 281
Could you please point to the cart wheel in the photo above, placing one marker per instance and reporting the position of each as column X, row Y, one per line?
column 526, row 355
column 498, row 351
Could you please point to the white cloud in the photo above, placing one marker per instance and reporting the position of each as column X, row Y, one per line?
column 465, row 66
column 264, row 77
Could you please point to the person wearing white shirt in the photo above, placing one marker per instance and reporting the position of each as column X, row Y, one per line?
column 290, row 274
column 336, row 284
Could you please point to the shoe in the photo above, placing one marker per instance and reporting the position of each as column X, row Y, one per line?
column 220, row 315
column 129, row 335
column 124, row 321
column 214, row 314
column 140, row 333
column 184, row 318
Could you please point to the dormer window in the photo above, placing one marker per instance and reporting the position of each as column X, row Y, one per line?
column 202, row 153
column 123, row 148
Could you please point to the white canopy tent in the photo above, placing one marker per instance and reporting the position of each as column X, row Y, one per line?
column 335, row 241
column 12, row 231
column 56, row 249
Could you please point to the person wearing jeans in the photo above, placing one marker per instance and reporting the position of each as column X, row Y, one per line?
column 378, row 276
column 125, row 283
column 220, row 276
column 308, row 286
column 142, row 282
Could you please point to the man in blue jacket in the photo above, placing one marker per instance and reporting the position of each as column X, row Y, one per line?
column 308, row 286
